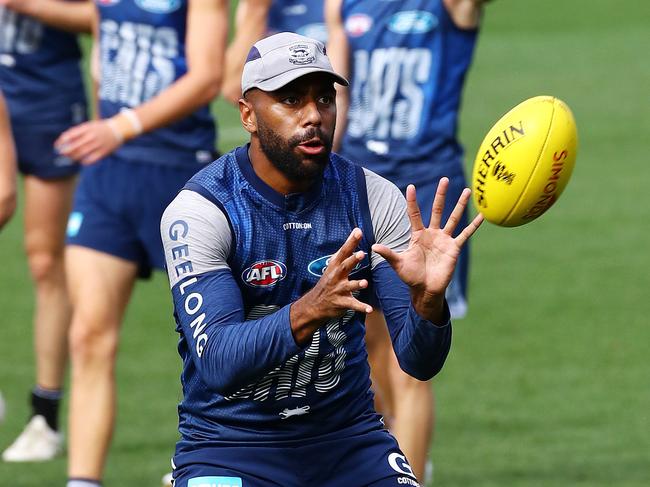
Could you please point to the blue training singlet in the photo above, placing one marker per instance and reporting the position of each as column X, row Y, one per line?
column 142, row 52
column 304, row 17
column 39, row 72
column 408, row 63
column 238, row 254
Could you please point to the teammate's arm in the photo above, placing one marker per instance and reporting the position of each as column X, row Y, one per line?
column 207, row 28
column 466, row 14
column 251, row 20
column 71, row 16
column 95, row 68
column 7, row 167
column 338, row 52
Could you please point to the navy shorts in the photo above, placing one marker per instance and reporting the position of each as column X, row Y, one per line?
column 118, row 205
column 371, row 459
column 36, row 153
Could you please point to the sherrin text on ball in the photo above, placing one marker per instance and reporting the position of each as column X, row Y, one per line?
column 525, row 161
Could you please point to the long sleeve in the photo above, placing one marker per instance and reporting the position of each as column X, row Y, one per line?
column 228, row 350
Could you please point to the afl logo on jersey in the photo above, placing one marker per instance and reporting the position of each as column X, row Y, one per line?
column 264, row 273
column 159, row 6
column 358, row 24
column 412, row 22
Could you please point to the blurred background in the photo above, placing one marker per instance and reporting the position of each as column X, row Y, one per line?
column 548, row 381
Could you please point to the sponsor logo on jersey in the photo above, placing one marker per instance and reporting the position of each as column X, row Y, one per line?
column 159, row 6
column 264, row 273
column 286, row 413
column 203, row 156
column 316, row 31
column 318, row 266
column 301, row 54
column 7, row 60
column 75, row 220
column 377, row 146
column 358, row 24
column 215, row 482
column 298, row 9
column 297, row 226
column 107, row 3
column 412, row 22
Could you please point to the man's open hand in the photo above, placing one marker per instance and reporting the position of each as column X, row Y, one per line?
column 428, row 264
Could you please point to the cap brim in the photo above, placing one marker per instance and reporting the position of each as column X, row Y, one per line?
column 284, row 79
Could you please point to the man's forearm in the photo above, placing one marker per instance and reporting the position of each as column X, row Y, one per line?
column 65, row 15
column 229, row 351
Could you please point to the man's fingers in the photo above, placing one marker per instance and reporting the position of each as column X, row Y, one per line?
column 71, row 134
column 93, row 157
column 457, row 214
column 438, row 205
column 356, row 305
column 347, row 248
column 352, row 286
column 78, row 146
column 351, row 262
column 387, row 253
column 413, row 210
column 469, row 230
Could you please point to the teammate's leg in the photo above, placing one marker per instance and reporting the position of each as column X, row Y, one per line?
column 100, row 286
column 380, row 349
column 47, row 204
column 411, row 403
column 413, row 416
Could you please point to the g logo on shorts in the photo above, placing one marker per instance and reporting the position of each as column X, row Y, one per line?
column 400, row 464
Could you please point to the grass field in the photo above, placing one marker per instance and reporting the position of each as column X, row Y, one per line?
column 548, row 380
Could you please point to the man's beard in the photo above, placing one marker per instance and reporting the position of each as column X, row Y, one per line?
column 282, row 153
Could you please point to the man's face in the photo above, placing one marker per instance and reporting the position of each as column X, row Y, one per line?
column 295, row 125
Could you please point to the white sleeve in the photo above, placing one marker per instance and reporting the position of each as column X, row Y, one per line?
column 388, row 215
column 196, row 237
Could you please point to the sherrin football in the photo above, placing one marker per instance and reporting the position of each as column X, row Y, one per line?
column 525, row 161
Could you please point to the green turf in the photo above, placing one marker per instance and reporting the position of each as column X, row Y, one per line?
column 547, row 382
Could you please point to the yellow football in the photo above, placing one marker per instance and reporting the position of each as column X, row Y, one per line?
column 525, row 161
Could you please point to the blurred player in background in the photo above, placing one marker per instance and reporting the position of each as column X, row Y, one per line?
column 42, row 81
column 407, row 63
column 159, row 65
column 7, row 177
column 255, row 19
column 7, row 184
column 271, row 253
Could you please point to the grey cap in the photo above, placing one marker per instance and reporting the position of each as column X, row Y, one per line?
column 281, row 58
